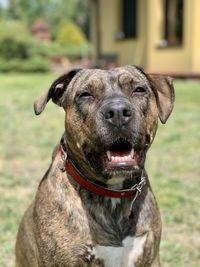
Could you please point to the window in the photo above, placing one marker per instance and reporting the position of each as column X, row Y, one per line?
column 173, row 32
column 128, row 19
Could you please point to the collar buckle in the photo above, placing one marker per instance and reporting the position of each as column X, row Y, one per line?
column 140, row 185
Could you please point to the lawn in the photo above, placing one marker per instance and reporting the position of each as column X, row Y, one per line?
column 26, row 142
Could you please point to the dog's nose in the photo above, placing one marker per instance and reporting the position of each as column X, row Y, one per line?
column 117, row 113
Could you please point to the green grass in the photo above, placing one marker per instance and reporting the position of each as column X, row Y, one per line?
column 173, row 164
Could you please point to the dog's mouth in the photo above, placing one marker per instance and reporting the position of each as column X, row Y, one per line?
column 122, row 155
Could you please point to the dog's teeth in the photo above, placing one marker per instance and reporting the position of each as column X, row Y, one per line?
column 129, row 158
column 78, row 145
column 109, row 155
column 132, row 152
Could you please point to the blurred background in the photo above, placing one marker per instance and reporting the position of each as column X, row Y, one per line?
column 43, row 35
column 39, row 40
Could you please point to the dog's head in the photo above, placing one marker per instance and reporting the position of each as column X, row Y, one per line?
column 111, row 117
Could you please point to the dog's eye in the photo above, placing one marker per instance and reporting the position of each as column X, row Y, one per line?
column 85, row 95
column 140, row 89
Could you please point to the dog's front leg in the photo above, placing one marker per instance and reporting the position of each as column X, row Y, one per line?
column 156, row 262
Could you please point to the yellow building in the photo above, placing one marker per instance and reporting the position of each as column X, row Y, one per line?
column 159, row 35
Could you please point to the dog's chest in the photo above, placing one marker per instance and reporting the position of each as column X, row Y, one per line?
column 126, row 255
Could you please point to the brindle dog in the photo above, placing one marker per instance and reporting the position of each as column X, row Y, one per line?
column 95, row 206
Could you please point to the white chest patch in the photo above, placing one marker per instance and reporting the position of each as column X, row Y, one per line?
column 125, row 256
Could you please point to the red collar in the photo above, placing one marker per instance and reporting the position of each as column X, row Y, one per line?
column 95, row 188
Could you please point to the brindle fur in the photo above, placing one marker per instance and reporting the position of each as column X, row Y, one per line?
column 65, row 221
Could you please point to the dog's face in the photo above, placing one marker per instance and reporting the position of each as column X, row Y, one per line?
column 111, row 117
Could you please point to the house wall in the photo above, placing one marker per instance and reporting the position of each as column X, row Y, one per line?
column 169, row 59
column 145, row 50
column 195, row 49
column 129, row 51
column 133, row 51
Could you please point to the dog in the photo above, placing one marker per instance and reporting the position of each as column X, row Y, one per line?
column 95, row 206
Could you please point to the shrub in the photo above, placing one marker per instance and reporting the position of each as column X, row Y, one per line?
column 15, row 29
column 55, row 49
column 74, row 52
column 13, row 48
column 34, row 64
column 73, row 41
column 47, row 49
column 15, row 40
column 19, row 51
column 71, row 35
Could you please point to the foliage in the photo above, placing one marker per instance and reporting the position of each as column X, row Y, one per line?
column 51, row 10
column 19, row 50
column 73, row 52
column 14, row 40
column 33, row 64
column 71, row 34
column 19, row 29
column 13, row 48
column 54, row 49
column 73, row 40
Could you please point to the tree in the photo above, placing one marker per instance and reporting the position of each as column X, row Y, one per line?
column 56, row 12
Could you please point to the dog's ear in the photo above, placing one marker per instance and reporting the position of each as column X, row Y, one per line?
column 164, row 91
column 55, row 91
